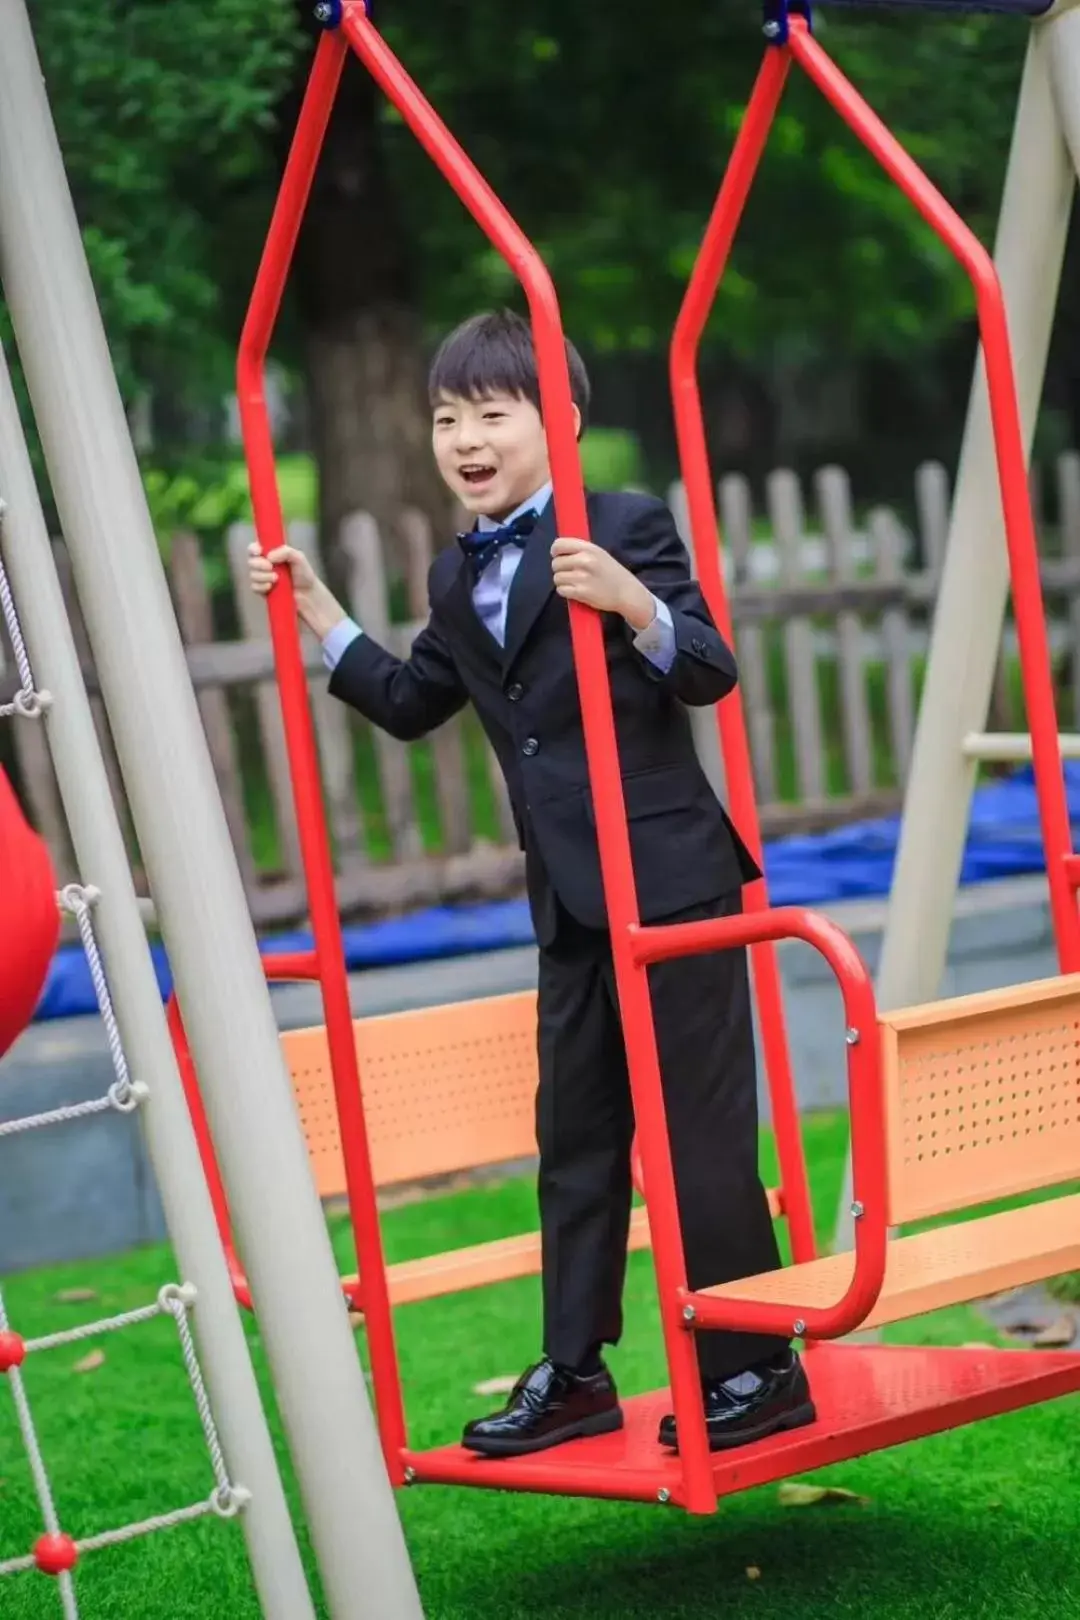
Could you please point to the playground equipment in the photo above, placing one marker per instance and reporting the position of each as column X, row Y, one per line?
column 187, row 853
column 245, row 1481
column 951, row 1105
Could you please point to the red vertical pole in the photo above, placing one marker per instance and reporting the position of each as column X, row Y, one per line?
column 705, row 528
column 599, row 726
column 1028, row 606
column 300, row 735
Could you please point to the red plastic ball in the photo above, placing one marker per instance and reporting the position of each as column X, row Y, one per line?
column 55, row 1554
column 12, row 1351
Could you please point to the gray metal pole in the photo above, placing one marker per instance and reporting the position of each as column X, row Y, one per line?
column 103, row 863
column 192, row 870
column 970, row 608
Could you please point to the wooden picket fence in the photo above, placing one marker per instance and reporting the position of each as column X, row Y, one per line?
column 831, row 619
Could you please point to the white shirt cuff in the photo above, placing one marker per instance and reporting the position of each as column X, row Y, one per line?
column 657, row 641
column 341, row 637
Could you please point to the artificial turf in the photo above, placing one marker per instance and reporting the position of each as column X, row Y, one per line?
column 979, row 1524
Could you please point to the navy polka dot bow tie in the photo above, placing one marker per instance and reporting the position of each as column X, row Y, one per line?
column 482, row 546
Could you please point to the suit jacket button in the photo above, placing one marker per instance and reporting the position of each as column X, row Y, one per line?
column 516, row 692
column 530, row 747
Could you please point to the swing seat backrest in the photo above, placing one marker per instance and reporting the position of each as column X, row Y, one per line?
column 445, row 1089
column 983, row 1104
column 983, row 1096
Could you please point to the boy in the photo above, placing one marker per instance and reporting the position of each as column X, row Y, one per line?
column 499, row 636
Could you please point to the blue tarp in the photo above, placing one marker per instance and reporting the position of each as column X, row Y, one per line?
column 848, row 863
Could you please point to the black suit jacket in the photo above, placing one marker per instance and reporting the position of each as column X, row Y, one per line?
column 685, row 849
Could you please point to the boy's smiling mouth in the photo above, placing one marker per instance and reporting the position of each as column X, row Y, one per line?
column 475, row 473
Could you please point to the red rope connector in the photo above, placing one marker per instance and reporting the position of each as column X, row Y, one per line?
column 12, row 1351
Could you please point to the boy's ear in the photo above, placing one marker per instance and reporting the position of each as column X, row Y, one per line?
column 577, row 423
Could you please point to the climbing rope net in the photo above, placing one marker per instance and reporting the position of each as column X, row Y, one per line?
column 56, row 1553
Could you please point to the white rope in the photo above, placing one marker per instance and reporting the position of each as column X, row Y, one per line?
column 131, row 1532
column 28, row 702
column 224, row 1502
column 175, row 1299
column 178, row 1302
column 92, row 1330
column 125, row 1094
column 56, row 1116
column 78, row 900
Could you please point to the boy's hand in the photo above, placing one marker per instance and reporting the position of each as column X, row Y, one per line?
column 263, row 570
column 315, row 604
column 585, row 572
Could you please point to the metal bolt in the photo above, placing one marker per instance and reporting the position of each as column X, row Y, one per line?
column 800, row 1327
column 857, row 1210
column 852, row 1037
column 410, row 1476
column 323, row 12
column 689, row 1314
column 663, row 1494
column 771, row 30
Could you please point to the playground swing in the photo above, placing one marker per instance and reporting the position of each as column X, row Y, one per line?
column 953, row 1105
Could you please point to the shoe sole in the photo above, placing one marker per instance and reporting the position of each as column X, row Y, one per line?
column 601, row 1423
column 799, row 1417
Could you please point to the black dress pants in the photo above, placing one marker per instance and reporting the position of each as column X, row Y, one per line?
column 585, row 1127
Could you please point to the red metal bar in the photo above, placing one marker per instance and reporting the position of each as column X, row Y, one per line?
column 705, row 529
column 1012, row 472
column 601, row 746
column 867, row 1104
column 300, row 734
column 288, row 965
column 550, row 1475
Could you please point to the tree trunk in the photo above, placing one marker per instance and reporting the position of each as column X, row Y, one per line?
column 361, row 335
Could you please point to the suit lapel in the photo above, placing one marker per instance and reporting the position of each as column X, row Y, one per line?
column 455, row 599
column 532, row 586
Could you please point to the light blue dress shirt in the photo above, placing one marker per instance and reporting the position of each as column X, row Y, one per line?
column 491, row 594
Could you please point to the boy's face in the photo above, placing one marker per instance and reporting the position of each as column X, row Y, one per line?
column 491, row 452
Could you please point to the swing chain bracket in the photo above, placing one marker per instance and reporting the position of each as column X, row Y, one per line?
column 776, row 15
column 328, row 13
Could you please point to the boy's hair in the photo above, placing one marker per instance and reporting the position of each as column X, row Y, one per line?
column 493, row 352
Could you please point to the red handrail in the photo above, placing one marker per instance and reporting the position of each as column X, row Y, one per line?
column 867, row 1106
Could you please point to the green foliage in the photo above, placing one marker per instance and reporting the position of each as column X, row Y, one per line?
column 163, row 113
column 605, row 127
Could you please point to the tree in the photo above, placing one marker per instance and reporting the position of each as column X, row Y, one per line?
column 604, row 126
column 163, row 114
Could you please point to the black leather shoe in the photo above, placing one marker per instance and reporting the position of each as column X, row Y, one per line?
column 548, row 1405
column 765, row 1399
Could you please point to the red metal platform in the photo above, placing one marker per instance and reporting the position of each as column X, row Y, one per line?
column 867, row 1396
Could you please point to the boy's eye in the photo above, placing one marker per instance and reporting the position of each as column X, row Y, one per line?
column 493, row 416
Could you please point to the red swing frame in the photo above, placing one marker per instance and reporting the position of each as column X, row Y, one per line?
column 855, row 1413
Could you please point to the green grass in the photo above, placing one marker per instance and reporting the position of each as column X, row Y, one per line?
column 979, row 1524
